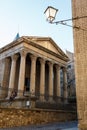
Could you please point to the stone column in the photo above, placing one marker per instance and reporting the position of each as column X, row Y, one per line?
column 42, row 80
column 33, row 74
column 5, row 79
column 50, row 81
column 12, row 73
column 58, row 82
column 22, row 74
column 65, row 82
column 6, row 69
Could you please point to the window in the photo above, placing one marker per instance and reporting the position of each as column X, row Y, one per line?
column 69, row 66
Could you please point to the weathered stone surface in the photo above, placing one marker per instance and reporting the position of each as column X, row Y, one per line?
column 22, row 66
column 19, row 117
column 79, row 9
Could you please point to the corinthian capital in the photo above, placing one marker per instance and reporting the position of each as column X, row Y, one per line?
column 57, row 67
column 33, row 57
column 50, row 63
column 23, row 53
column 42, row 60
column 14, row 57
column 64, row 69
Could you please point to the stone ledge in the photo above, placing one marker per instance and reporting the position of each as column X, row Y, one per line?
column 37, row 109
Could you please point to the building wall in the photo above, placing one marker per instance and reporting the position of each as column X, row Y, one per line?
column 21, row 117
column 71, row 75
column 71, row 85
column 79, row 8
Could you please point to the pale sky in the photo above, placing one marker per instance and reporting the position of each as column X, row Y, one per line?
column 27, row 17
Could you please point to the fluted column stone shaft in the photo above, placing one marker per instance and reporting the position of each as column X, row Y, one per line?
column 50, row 81
column 65, row 82
column 58, row 81
column 5, row 80
column 12, row 73
column 42, row 79
column 22, row 73
column 33, row 74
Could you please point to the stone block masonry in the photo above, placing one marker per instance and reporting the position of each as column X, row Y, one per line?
column 79, row 9
column 10, row 117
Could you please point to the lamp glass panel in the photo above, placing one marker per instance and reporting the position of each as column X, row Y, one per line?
column 50, row 13
column 47, row 12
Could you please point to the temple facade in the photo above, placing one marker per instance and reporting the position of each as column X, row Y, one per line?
column 32, row 64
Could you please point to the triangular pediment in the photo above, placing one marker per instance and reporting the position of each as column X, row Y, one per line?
column 47, row 43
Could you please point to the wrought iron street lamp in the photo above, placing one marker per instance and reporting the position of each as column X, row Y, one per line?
column 51, row 12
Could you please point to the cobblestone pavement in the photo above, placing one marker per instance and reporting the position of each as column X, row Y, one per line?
column 54, row 126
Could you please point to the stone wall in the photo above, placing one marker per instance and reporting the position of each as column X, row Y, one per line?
column 11, row 117
column 79, row 9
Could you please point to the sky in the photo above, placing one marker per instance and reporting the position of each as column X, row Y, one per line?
column 27, row 17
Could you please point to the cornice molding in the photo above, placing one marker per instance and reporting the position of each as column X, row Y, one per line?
column 33, row 43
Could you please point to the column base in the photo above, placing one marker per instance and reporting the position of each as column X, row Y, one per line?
column 19, row 97
column 7, row 97
column 42, row 98
column 3, row 97
column 51, row 100
column 32, row 104
column 59, row 100
column 65, row 101
column 3, row 94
